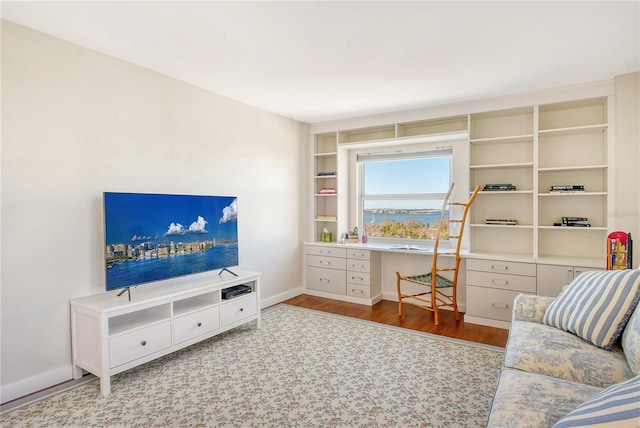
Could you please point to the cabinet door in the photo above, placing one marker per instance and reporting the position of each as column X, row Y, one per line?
column 552, row 278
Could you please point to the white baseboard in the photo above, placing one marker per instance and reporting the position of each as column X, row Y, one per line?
column 35, row 383
column 274, row 300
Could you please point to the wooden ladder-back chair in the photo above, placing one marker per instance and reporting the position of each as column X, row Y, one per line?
column 433, row 298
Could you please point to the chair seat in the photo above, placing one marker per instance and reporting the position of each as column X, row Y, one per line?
column 441, row 282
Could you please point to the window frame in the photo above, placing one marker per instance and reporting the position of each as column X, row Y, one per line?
column 458, row 173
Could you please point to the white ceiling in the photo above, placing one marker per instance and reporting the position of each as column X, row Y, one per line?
column 318, row 61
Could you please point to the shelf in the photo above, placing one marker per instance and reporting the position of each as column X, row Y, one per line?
column 503, row 226
column 600, row 127
column 144, row 318
column 325, row 154
column 572, row 194
column 573, row 168
column 194, row 304
column 504, row 166
column 509, row 139
column 506, row 192
column 592, row 228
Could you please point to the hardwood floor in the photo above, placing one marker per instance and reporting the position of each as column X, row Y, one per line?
column 386, row 312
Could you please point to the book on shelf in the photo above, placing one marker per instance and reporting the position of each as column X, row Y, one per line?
column 567, row 188
column 326, row 174
column 498, row 187
column 508, row 222
column 574, row 222
column 327, row 191
column 325, row 217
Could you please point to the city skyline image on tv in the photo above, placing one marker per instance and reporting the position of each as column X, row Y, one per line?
column 153, row 237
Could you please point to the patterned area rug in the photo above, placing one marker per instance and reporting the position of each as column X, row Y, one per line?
column 302, row 368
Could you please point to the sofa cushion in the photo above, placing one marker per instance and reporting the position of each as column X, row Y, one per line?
column 530, row 400
column 616, row 406
column 631, row 341
column 596, row 305
column 542, row 349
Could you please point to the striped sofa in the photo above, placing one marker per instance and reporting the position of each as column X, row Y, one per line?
column 573, row 360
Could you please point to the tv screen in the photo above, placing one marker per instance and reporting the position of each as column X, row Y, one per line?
column 154, row 237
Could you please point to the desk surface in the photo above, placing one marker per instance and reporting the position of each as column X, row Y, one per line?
column 465, row 254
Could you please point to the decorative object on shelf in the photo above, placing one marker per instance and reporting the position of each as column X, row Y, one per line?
column 498, row 187
column 327, row 191
column 327, row 174
column 326, row 235
column 573, row 222
column 619, row 251
column 325, row 217
column 508, row 222
column 352, row 237
column 567, row 188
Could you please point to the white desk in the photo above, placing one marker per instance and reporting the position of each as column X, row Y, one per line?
column 486, row 286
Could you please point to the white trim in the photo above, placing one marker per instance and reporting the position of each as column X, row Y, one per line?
column 36, row 383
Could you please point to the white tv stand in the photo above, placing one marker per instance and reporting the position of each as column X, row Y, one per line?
column 111, row 334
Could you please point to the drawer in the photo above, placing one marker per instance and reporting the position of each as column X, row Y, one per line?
column 198, row 323
column 139, row 343
column 353, row 253
column 358, row 291
column 326, row 251
column 327, row 262
column 514, row 268
column 238, row 308
column 360, row 278
column 358, row 265
column 329, row 280
column 490, row 303
column 524, row 284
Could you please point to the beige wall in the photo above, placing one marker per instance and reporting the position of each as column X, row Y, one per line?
column 76, row 123
column 626, row 215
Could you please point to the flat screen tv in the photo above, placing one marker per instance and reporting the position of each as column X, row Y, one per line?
column 155, row 237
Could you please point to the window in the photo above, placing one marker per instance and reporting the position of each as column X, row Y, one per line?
column 401, row 193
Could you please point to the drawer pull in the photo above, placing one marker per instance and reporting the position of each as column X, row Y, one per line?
column 325, row 252
column 358, row 266
column 358, row 278
column 499, row 281
column 353, row 290
column 241, row 309
column 499, row 267
column 500, row 305
column 199, row 324
column 357, row 254
column 325, row 262
column 144, row 343
column 324, row 280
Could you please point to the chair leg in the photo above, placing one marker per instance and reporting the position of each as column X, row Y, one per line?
column 434, row 304
column 399, row 295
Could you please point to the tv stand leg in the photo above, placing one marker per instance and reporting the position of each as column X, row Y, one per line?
column 230, row 271
column 128, row 290
column 105, row 386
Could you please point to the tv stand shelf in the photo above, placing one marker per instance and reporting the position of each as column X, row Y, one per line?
column 111, row 334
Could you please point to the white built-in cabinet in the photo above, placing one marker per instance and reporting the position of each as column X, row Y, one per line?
column 111, row 334
column 532, row 147
column 535, row 148
column 552, row 278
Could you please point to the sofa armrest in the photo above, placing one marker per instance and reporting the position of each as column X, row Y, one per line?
column 528, row 307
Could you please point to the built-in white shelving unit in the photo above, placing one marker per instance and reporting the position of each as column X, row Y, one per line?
column 566, row 141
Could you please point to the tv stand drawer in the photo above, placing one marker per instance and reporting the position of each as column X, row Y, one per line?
column 139, row 343
column 238, row 308
column 196, row 324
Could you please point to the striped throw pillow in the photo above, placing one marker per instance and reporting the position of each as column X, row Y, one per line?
column 596, row 305
column 616, row 406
